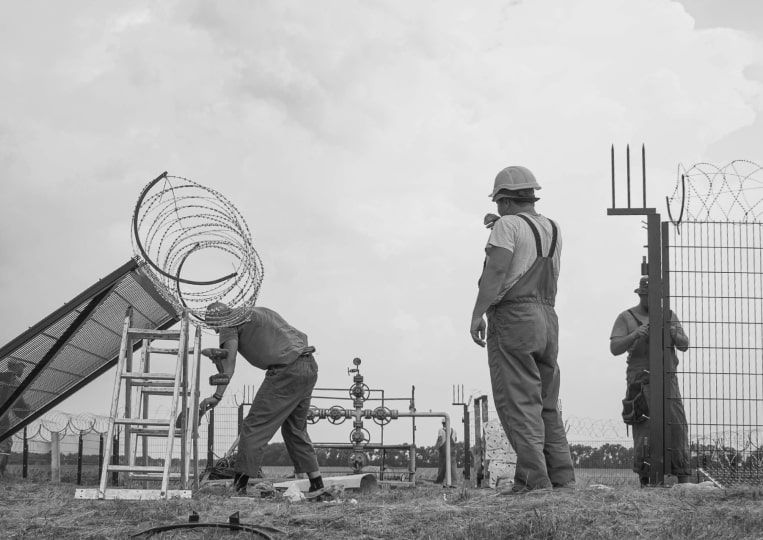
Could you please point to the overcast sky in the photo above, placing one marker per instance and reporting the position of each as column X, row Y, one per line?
column 360, row 141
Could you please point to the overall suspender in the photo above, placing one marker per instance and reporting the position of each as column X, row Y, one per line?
column 536, row 234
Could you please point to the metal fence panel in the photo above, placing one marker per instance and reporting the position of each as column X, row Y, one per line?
column 716, row 284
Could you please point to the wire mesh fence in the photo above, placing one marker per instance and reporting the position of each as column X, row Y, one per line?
column 716, row 289
column 602, row 451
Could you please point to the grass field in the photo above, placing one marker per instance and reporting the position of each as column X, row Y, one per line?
column 42, row 510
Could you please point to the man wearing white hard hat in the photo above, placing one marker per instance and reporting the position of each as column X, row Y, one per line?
column 517, row 291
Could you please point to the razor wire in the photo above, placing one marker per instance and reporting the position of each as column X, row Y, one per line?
column 711, row 193
column 178, row 223
column 64, row 424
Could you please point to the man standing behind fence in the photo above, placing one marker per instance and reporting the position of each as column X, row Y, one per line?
column 631, row 333
column 442, row 456
column 517, row 290
column 268, row 342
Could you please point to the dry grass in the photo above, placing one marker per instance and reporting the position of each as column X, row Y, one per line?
column 41, row 510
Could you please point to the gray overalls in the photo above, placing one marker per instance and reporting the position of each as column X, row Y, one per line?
column 677, row 430
column 523, row 343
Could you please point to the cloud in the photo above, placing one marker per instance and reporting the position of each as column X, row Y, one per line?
column 360, row 141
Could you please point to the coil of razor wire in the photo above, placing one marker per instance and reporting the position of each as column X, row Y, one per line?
column 708, row 193
column 177, row 223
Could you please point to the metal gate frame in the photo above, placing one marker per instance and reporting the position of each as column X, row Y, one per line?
column 654, row 268
column 658, row 269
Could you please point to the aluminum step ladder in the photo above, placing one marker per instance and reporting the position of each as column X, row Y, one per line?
column 139, row 386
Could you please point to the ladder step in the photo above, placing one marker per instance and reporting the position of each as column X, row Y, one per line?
column 148, row 376
column 142, row 422
column 162, row 350
column 147, row 432
column 153, row 384
column 136, row 468
column 159, row 392
column 144, row 333
column 149, row 476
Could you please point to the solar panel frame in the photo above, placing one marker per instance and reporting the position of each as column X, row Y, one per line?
column 77, row 343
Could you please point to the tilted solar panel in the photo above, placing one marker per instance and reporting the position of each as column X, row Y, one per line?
column 75, row 344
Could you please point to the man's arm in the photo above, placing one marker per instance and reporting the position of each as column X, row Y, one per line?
column 228, row 364
column 621, row 340
column 225, row 366
column 620, row 344
column 493, row 274
column 680, row 339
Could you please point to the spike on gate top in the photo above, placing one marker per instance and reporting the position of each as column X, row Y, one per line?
column 628, row 210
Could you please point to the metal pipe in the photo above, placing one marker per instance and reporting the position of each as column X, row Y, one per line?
column 80, row 444
column 643, row 172
column 369, row 446
column 656, row 352
column 666, row 340
column 412, row 408
column 478, row 441
column 612, row 156
column 25, row 456
column 145, row 368
column 211, row 439
column 352, row 399
column 195, row 405
column 383, row 454
column 628, row 168
column 115, row 457
column 467, row 444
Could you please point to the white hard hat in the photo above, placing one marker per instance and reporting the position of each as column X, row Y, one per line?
column 514, row 178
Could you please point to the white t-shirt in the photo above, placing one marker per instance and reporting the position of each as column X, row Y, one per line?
column 514, row 234
column 441, row 437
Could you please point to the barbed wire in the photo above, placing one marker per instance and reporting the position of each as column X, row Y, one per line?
column 64, row 424
column 175, row 218
column 707, row 193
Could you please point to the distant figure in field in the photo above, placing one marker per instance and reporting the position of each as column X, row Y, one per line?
column 268, row 342
column 517, row 291
column 9, row 382
column 442, row 456
column 631, row 333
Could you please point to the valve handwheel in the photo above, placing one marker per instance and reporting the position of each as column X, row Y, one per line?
column 337, row 415
column 313, row 415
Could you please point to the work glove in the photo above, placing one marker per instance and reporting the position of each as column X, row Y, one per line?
column 490, row 220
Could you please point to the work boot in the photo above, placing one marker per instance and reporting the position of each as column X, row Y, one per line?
column 240, row 482
column 317, row 489
column 316, row 483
